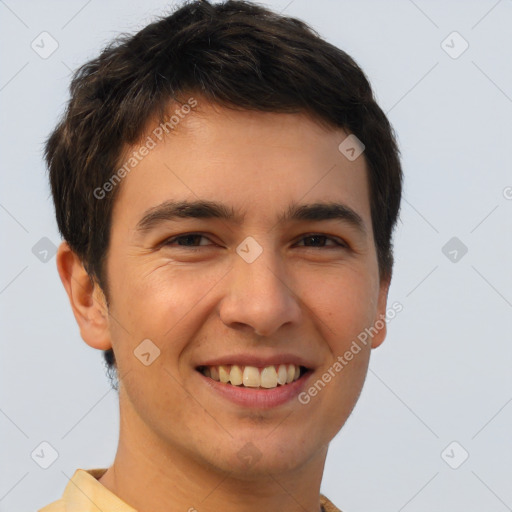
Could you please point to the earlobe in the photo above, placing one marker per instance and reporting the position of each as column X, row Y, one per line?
column 86, row 298
column 380, row 319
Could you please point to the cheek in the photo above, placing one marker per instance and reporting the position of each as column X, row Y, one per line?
column 159, row 302
column 343, row 305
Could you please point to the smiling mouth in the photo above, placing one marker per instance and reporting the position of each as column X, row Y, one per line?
column 267, row 377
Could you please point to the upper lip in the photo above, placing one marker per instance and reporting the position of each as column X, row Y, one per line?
column 257, row 360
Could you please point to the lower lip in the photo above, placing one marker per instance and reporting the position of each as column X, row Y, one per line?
column 258, row 397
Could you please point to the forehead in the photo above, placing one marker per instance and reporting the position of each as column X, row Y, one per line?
column 255, row 162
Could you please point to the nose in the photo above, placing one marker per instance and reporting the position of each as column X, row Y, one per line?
column 259, row 296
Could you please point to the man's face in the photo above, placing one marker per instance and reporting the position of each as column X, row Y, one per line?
column 257, row 290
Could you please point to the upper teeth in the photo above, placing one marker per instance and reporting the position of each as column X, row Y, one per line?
column 252, row 376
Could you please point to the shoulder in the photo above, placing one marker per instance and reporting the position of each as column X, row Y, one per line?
column 56, row 506
column 84, row 482
column 327, row 505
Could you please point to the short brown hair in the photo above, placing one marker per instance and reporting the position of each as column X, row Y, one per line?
column 236, row 54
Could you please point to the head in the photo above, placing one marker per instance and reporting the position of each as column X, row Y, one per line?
column 235, row 105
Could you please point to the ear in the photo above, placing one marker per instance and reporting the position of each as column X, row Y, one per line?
column 380, row 319
column 87, row 300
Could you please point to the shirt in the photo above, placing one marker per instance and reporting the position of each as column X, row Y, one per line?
column 84, row 493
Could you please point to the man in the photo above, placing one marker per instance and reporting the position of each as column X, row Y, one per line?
column 227, row 188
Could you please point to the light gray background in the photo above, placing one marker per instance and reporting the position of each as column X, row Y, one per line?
column 444, row 372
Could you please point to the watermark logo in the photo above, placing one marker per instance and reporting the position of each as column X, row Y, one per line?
column 454, row 249
column 249, row 454
column 44, row 455
column 44, row 250
column 455, row 455
column 45, row 45
column 249, row 249
column 351, row 147
column 146, row 352
column 454, row 45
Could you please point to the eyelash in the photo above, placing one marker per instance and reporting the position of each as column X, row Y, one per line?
column 338, row 243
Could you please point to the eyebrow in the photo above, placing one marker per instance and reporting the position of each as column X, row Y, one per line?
column 202, row 209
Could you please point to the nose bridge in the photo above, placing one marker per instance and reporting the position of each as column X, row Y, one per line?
column 258, row 294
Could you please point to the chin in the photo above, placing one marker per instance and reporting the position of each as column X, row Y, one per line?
column 257, row 457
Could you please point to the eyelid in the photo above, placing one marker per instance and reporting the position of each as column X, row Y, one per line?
column 174, row 238
column 338, row 241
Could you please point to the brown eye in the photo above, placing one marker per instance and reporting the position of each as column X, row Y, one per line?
column 188, row 240
column 318, row 240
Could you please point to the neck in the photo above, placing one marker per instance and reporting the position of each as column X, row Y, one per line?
column 152, row 476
